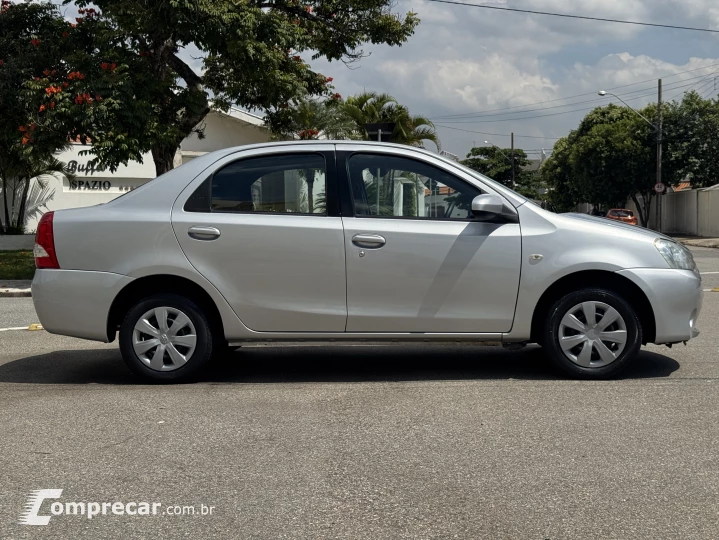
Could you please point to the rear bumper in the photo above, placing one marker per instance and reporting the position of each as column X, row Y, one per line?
column 76, row 302
column 676, row 298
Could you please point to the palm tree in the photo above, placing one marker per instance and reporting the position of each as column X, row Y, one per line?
column 18, row 174
column 314, row 119
column 371, row 107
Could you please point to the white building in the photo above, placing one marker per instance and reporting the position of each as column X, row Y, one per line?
column 94, row 186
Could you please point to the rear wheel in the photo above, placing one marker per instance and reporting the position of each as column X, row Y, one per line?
column 166, row 337
column 592, row 334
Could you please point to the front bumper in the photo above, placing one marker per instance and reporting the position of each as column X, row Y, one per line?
column 76, row 302
column 676, row 299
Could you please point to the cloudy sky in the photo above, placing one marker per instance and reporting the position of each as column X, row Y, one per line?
column 464, row 61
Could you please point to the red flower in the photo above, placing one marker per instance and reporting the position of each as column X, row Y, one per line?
column 309, row 9
column 65, row 85
column 25, row 140
column 35, row 42
column 113, row 66
column 32, row 127
column 75, row 75
column 329, row 79
column 22, row 128
column 296, row 58
column 65, row 34
column 336, row 96
column 78, row 19
column 98, row 98
column 104, row 66
column 42, row 108
column 46, row 72
column 50, row 90
column 2, row 62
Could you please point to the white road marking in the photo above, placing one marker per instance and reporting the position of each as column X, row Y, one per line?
column 14, row 328
column 707, row 273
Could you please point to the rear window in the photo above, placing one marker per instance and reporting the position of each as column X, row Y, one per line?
column 622, row 213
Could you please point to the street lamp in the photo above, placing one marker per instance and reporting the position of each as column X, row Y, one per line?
column 604, row 93
column 658, row 128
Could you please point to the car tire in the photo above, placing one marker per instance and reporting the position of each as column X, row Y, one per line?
column 166, row 338
column 586, row 349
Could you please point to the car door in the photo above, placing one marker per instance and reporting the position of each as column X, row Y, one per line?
column 262, row 227
column 416, row 260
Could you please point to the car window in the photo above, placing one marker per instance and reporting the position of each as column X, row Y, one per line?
column 623, row 213
column 393, row 186
column 292, row 184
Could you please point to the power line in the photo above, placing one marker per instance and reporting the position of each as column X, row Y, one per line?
column 482, row 113
column 498, row 134
column 584, row 17
column 673, row 86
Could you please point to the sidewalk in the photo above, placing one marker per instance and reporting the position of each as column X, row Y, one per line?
column 697, row 241
column 15, row 288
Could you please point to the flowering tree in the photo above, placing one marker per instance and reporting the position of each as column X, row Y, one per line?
column 27, row 143
column 122, row 86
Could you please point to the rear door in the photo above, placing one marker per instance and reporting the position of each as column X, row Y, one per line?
column 263, row 228
column 416, row 260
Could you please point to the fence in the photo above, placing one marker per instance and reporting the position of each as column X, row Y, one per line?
column 694, row 212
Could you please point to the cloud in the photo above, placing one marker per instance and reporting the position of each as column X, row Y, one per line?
column 464, row 60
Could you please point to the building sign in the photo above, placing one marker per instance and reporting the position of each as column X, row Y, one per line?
column 94, row 185
column 85, row 169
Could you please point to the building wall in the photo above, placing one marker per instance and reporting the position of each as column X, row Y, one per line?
column 92, row 187
column 221, row 131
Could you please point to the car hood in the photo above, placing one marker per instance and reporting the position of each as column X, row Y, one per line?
column 613, row 223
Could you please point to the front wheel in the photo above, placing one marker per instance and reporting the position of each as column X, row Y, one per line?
column 592, row 334
column 166, row 337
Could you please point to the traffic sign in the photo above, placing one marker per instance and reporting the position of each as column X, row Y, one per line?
column 659, row 188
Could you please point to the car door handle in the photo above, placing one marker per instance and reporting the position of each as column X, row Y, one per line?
column 203, row 233
column 369, row 241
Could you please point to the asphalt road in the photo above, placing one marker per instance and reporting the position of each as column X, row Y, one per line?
column 365, row 441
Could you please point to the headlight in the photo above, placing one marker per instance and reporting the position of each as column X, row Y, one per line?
column 676, row 255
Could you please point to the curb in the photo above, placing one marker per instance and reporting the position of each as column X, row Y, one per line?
column 701, row 243
column 15, row 293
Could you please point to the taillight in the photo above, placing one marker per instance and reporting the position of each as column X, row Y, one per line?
column 44, row 249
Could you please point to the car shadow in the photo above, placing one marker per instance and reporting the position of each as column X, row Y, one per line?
column 329, row 363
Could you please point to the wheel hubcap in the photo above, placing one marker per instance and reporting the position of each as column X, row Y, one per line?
column 164, row 339
column 592, row 334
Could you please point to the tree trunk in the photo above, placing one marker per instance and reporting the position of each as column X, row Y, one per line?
column 23, row 204
column 643, row 209
column 164, row 158
column 6, row 221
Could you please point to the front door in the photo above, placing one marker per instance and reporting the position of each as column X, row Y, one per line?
column 261, row 229
column 416, row 261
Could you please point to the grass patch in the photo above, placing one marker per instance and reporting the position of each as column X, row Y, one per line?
column 17, row 264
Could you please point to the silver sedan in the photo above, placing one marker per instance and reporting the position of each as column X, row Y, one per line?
column 353, row 241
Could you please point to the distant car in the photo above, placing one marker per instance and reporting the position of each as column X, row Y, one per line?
column 346, row 241
column 623, row 215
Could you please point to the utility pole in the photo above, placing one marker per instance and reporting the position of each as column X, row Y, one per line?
column 514, row 183
column 659, row 156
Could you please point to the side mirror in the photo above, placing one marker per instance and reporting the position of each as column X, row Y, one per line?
column 487, row 207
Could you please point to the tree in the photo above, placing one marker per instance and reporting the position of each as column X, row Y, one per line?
column 128, row 91
column 27, row 142
column 614, row 162
column 691, row 132
column 496, row 163
column 557, row 174
column 308, row 118
column 371, row 108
